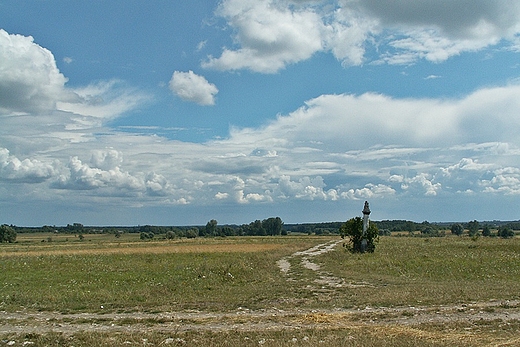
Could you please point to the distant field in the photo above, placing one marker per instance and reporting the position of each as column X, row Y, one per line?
column 250, row 291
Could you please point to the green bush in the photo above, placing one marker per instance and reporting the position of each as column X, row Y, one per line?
column 486, row 231
column 353, row 228
column 7, row 234
column 457, row 229
column 146, row 235
column 505, row 232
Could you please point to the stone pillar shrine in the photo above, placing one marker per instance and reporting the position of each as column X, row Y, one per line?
column 366, row 222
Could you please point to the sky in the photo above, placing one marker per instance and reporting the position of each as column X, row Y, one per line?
column 131, row 112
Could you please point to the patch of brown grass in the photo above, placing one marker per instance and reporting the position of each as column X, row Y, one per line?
column 158, row 248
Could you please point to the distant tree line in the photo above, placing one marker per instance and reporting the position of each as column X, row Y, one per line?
column 505, row 230
column 268, row 227
column 314, row 228
column 275, row 226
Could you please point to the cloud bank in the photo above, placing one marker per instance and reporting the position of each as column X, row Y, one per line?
column 56, row 142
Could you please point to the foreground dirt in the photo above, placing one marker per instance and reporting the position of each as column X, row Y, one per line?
column 247, row 320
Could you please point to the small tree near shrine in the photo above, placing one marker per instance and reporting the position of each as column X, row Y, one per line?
column 363, row 235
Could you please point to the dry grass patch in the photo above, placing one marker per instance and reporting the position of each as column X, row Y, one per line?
column 203, row 274
column 151, row 248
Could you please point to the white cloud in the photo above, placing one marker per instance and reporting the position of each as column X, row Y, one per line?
column 221, row 196
column 347, row 34
column 26, row 170
column 29, row 78
column 106, row 160
column 201, row 45
column 82, row 176
column 33, row 91
column 354, row 122
column 194, row 88
column 31, row 86
column 102, row 101
column 271, row 34
column 422, row 182
column 158, row 185
column 304, row 188
column 370, row 191
column 506, row 181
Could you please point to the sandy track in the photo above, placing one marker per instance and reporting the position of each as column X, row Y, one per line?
column 247, row 320
column 285, row 265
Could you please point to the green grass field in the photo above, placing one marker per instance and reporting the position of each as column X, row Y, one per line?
column 104, row 291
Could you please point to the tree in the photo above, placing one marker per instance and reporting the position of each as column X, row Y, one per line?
column 146, row 235
column 192, row 233
column 486, row 231
column 457, row 229
column 211, row 228
column 7, row 234
column 433, row 231
column 272, row 226
column 473, row 228
column 353, row 228
column 505, row 232
column 254, row 228
column 385, row 232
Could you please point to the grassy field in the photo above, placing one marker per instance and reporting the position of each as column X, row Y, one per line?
column 104, row 291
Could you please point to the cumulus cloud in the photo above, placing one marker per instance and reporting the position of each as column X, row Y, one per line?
column 32, row 85
column 505, row 181
column 29, row 78
column 370, row 191
column 235, row 189
column 270, row 34
column 26, row 170
column 158, row 185
column 82, row 176
column 305, row 187
column 194, row 88
column 105, row 174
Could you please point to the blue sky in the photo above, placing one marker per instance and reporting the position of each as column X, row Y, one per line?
column 178, row 112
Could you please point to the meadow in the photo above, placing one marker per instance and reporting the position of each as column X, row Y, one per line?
column 248, row 291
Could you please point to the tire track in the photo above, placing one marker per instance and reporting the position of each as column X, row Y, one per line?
column 324, row 280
